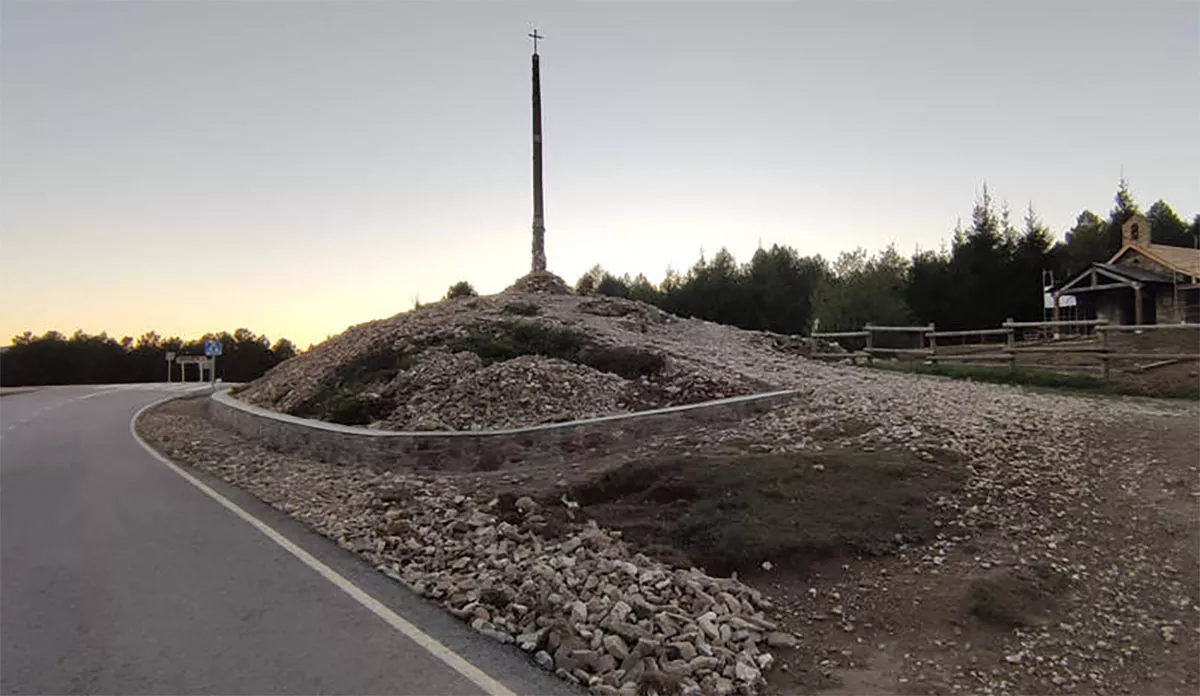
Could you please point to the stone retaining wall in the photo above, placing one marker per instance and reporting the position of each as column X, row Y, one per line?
column 478, row 450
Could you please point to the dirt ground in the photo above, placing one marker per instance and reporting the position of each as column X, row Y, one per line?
column 879, row 618
column 1092, row 589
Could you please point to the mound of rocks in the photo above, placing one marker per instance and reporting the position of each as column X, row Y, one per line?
column 540, row 282
column 503, row 394
column 583, row 606
column 525, row 357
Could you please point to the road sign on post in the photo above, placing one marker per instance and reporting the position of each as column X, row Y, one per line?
column 170, row 359
column 212, row 349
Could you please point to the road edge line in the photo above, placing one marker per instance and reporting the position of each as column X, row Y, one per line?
column 433, row 646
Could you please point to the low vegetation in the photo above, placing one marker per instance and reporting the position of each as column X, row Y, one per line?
column 732, row 512
column 461, row 289
column 511, row 339
column 1016, row 598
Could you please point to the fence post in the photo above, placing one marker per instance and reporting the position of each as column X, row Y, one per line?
column 870, row 343
column 932, row 344
column 1011, row 342
column 1104, row 347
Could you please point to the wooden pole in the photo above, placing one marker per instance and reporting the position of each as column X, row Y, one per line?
column 1104, row 345
column 1137, row 303
column 539, row 213
column 1011, row 342
column 932, row 344
column 870, row 343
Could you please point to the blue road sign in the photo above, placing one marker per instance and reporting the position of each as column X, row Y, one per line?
column 212, row 348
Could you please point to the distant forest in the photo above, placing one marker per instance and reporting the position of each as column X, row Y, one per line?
column 82, row 359
column 991, row 271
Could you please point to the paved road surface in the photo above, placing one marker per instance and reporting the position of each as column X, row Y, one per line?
column 119, row 576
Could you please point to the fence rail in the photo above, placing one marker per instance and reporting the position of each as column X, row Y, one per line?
column 1053, row 324
column 1146, row 327
column 968, row 333
column 1009, row 350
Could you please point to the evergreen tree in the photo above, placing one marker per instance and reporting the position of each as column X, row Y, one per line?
column 1166, row 227
column 1084, row 243
column 1124, row 207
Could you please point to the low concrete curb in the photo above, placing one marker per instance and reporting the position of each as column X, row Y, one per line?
column 478, row 450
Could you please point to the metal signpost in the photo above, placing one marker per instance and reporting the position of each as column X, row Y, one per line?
column 212, row 349
column 170, row 359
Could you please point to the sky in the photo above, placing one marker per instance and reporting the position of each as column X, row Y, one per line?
column 299, row 167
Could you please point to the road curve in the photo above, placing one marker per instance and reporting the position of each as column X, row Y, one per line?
column 118, row 575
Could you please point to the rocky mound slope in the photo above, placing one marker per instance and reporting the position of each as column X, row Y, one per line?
column 532, row 354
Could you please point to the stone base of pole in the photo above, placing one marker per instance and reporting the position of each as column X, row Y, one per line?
column 541, row 283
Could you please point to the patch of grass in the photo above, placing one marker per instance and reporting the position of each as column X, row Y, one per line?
column 1012, row 599
column 511, row 339
column 1044, row 379
column 998, row 374
column 732, row 512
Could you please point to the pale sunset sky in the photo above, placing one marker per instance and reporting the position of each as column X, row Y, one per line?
column 298, row 167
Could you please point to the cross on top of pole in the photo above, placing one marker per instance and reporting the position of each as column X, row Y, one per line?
column 535, row 36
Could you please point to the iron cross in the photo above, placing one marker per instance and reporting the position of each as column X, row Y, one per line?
column 535, row 36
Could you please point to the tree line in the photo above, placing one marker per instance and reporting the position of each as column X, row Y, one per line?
column 991, row 270
column 53, row 358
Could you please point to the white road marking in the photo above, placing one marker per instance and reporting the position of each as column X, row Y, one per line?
column 88, row 396
column 452, row 659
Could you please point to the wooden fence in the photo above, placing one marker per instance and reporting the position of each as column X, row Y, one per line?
column 1090, row 339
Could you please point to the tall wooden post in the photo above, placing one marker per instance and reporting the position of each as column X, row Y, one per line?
column 539, row 218
column 1137, row 304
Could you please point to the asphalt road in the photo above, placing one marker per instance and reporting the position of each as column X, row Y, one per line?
column 118, row 575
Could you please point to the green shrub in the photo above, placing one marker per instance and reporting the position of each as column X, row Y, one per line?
column 461, row 289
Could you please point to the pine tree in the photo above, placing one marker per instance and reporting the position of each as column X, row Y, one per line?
column 1166, row 227
column 1124, row 207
